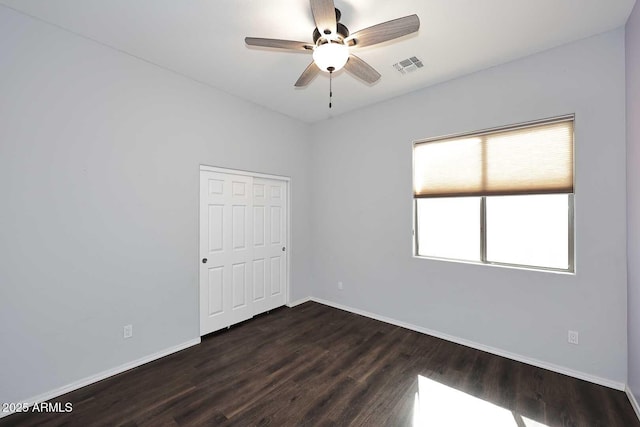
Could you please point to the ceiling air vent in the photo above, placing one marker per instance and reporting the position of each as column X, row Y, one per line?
column 408, row 65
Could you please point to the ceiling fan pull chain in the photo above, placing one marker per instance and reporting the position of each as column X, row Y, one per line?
column 330, row 85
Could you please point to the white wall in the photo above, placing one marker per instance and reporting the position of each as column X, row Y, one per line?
column 362, row 212
column 99, row 160
column 633, row 195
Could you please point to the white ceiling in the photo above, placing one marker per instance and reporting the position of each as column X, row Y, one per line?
column 204, row 40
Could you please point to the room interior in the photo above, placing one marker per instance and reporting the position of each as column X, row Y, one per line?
column 104, row 130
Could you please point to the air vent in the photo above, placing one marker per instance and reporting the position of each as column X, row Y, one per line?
column 408, row 65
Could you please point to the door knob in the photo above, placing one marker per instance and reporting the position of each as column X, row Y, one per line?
column 283, row 249
column 204, row 260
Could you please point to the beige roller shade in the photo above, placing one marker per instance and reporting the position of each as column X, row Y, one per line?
column 531, row 159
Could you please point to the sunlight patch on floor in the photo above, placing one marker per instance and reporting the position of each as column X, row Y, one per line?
column 439, row 405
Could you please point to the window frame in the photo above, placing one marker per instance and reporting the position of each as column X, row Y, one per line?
column 483, row 214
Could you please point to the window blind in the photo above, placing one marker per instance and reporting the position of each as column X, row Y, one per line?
column 527, row 159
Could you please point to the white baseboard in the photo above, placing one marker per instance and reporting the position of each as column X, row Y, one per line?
column 513, row 356
column 298, row 302
column 105, row 374
column 633, row 401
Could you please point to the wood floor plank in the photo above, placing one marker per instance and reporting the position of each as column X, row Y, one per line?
column 313, row 365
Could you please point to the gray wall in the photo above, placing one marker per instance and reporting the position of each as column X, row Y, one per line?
column 99, row 160
column 362, row 212
column 633, row 196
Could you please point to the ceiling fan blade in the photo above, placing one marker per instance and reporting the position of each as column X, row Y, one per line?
column 386, row 31
column 361, row 69
column 309, row 74
column 278, row 44
column 324, row 14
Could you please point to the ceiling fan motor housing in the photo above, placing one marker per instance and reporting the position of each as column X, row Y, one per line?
column 341, row 29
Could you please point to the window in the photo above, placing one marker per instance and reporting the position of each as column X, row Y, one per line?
column 501, row 196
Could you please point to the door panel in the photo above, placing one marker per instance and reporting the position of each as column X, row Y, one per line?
column 215, row 290
column 271, row 199
column 240, row 255
column 259, row 281
column 225, row 224
column 276, row 233
column 275, row 275
column 258, row 226
column 216, row 224
column 239, row 285
column 239, row 219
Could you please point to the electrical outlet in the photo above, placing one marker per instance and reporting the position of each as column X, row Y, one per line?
column 340, row 287
column 128, row 331
column 572, row 337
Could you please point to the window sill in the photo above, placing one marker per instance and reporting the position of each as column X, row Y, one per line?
column 499, row 265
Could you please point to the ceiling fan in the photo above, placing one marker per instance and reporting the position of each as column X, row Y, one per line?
column 332, row 42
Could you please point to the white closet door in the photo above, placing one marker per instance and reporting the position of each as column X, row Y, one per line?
column 269, row 243
column 243, row 253
column 226, row 250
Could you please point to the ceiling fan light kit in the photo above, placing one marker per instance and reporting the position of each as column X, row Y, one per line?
column 331, row 56
column 332, row 43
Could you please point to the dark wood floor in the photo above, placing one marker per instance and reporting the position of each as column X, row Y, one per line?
column 317, row 366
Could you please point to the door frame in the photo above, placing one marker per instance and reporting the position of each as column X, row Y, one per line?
column 288, row 212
